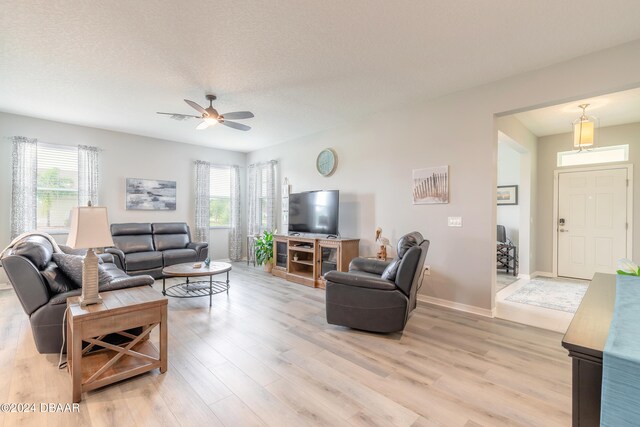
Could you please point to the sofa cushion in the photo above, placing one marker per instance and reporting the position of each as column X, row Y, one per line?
column 177, row 256
column 164, row 242
column 56, row 280
column 391, row 271
column 130, row 229
column 143, row 260
column 170, row 228
column 71, row 266
column 134, row 243
column 36, row 249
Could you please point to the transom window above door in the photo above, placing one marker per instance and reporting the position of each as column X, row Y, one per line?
column 611, row 154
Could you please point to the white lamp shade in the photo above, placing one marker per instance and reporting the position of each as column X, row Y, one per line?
column 583, row 133
column 89, row 228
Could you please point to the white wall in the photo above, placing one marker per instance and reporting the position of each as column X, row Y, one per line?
column 509, row 174
column 548, row 148
column 519, row 138
column 122, row 156
column 377, row 154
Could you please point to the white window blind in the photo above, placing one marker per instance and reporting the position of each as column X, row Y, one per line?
column 219, row 196
column 57, row 188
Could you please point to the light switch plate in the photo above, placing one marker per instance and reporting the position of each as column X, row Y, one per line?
column 455, row 221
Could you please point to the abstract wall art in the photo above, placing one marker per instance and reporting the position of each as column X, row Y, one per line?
column 150, row 194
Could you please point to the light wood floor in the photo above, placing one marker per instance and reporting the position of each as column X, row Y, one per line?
column 265, row 355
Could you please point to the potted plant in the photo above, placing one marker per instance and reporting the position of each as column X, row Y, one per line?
column 264, row 250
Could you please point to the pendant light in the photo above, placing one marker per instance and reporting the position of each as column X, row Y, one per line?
column 584, row 130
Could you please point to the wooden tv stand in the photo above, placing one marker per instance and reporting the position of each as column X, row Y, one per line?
column 305, row 259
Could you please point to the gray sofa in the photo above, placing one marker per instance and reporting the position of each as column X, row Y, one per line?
column 146, row 248
column 43, row 288
column 375, row 295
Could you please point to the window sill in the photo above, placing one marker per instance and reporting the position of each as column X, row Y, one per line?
column 219, row 227
column 54, row 232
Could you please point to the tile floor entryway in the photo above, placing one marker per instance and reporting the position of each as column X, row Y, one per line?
column 514, row 307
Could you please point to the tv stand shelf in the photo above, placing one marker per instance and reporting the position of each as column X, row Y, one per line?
column 305, row 259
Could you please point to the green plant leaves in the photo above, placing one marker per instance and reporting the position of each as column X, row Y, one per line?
column 264, row 248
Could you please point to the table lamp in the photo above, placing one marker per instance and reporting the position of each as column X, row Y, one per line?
column 89, row 230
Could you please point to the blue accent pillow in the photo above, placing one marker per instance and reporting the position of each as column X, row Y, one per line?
column 71, row 266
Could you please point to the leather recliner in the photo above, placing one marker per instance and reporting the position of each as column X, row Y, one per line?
column 37, row 281
column 376, row 295
column 146, row 248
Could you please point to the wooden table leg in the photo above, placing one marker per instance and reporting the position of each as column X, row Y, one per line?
column 76, row 367
column 163, row 340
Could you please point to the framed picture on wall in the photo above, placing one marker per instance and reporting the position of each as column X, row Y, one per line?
column 150, row 194
column 507, row 195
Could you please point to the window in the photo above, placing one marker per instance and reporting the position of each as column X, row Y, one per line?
column 57, row 185
column 614, row 153
column 263, row 198
column 219, row 197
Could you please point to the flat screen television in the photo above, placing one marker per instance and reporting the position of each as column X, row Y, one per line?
column 314, row 212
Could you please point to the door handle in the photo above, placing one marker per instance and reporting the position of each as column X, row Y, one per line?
column 562, row 230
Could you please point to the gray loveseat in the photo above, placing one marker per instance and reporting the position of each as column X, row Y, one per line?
column 43, row 288
column 146, row 248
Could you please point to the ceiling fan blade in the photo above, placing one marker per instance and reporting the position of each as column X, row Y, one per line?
column 235, row 125
column 197, row 107
column 178, row 116
column 202, row 125
column 238, row 115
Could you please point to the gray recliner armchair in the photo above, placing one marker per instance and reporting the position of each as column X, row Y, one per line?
column 375, row 295
column 43, row 288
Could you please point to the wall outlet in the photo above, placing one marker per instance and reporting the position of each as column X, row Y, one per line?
column 427, row 270
column 455, row 221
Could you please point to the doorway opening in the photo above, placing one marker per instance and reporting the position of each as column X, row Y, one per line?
column 580, row 217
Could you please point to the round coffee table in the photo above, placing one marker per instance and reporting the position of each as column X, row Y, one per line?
column 196, row 288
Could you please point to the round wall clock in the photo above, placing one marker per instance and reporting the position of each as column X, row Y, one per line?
column 326, row 162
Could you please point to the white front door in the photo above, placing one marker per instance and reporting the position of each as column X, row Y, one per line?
column 592, row 222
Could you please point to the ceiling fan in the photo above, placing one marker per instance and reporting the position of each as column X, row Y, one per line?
column 211, row 117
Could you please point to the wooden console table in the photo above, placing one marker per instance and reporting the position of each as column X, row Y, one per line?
column 585, row 339
column 305, row 260
column 120, row 311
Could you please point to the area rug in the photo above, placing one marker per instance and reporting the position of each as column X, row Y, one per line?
column 503, row 280
column 555, row 294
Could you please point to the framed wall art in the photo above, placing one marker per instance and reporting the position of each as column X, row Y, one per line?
column 150, row 194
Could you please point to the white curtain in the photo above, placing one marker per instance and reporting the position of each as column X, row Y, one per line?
column 88, row 175
column 203, row 172
column 235, row 230
column 24, row 185
column 262, row 194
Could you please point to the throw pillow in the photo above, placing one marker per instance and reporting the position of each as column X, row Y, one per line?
column 71, row 265
column 57, row 281
column 390, row 272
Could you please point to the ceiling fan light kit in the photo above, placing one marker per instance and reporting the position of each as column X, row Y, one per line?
column 211, row 117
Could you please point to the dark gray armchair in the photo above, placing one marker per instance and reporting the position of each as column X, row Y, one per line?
column 377, row 295
column 43, row 288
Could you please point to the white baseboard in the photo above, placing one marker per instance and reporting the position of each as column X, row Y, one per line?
column 457, row 306
column 542, row 274
column 524, row 276
column 5, row 286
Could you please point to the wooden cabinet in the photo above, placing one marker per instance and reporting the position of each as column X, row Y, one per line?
column 585, row 339
column 305, row 260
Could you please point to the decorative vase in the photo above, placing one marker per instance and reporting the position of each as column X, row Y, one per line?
column 268, row 266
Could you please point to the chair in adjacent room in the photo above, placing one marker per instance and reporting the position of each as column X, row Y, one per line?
column 506, row 252
column 376, row 295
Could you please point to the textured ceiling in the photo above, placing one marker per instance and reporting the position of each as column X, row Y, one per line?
column 301, row 66
column 612, row 109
